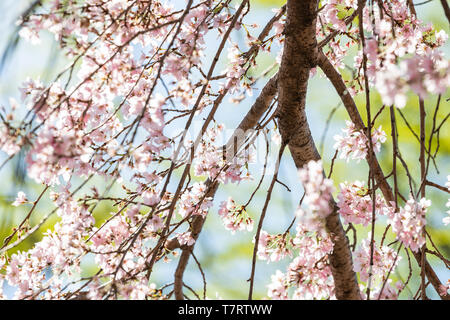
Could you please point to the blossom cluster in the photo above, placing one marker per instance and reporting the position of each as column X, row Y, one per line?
column 234, row 217
column 407, row 59
column 402, row 52
column 356, row 205
column 385, row 259
column 409, row 222
column 8, row 141
column 318, row 194
column 274, row 247
column 21, row 199
column 211, row 159
column 309, row 272
column 185, row 238
column 61, row 249
column 354, row 143
column 332, row 18
column 195, row 201
column 236, row 69
column 384, row 262
column 103, row 117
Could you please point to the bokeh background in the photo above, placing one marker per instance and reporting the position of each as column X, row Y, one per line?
column 226, row 257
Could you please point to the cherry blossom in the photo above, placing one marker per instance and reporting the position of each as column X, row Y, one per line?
column 318, row 192
column 274, row 247
column 140, row 78
column 21, row 199
column 277, row 290
column 355, row 203
column 384, row 260
column 354, row 143
column 185, row 238
column 409, row 221
column 234, row 217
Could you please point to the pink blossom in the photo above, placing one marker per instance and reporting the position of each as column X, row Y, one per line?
column 30, row 35
column 8, row 142
column 234, row 217
column 318, row 192
column 150, row 197
column 155, row 223
column 384, row 259
column 274, row 247
column 21, row 199
column 409, row 221
column 277, row 289
column 356, row 205
column 195, row 201
column 185, row 238
column 355, row 144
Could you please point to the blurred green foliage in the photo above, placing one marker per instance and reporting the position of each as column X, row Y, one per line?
column 269, row 3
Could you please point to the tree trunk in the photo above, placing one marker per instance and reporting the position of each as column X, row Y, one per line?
column 299, row 56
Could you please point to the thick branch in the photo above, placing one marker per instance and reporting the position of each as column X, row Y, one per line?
column 446, row 9
column 299, row 56
column 352, row 110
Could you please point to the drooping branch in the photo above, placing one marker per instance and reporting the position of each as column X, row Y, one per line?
column 177, row 285
column 261, row 220
column 338, row 83
column 250, row 120
column 110, row 138
column 299, row 56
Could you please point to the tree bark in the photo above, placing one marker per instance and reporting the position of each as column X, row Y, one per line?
column 299, row 56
